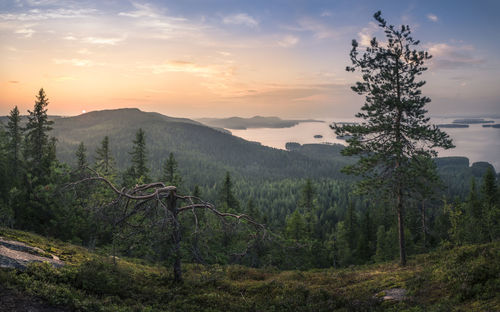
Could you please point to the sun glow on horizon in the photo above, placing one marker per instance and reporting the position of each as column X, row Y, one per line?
column 215, row 60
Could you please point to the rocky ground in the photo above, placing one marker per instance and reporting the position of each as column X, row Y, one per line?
column 17, row 255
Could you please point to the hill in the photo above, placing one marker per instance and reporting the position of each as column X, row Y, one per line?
column 463, row 278
column 253, row 122
column 204, row 153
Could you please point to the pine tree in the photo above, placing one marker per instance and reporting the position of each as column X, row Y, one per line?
column 351, row 226
column 81, row 156
column 38, row 150
column 81, row 160
column 296, row 227
column 104, row 161
column 307, row 195
column 474, row 214
column 15, row 135
column 169, row 172
column 226, row 196
column 490, row 203
column 138, row 172
column 395, row 130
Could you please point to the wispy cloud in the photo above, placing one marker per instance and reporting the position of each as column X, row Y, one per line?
column 26, row 31
column 366, row 34
column 446, row 56
column 38, row 15
column 319, row 29
column 152, row 22
column 241, row 19
column 104, row 40
column 142, row 10
column 288, row 41
column 431, row 17
column 75, row 62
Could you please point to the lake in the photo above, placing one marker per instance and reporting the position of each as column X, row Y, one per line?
column 476, row 142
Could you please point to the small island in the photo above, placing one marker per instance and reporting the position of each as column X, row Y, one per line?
column 453, row 125
column 344, row 137
column 318, row 136
column 472, row 121
column 492, row 126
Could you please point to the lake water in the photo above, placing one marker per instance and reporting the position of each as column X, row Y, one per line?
column 476, row 142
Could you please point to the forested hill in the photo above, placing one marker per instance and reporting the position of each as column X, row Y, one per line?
column 254, row 122
column 204, row 153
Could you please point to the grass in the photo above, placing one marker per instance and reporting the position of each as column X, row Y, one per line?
column 456, row 279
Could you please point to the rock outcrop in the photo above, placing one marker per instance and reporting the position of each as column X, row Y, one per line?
column 17, row 255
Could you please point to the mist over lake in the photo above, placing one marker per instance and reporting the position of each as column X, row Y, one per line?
column 476, row 142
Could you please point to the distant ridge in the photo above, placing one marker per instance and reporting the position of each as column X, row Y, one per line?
column 239, row 123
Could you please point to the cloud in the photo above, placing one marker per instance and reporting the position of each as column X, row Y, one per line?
column 446, row 56
column 288, row 41
column 206, row 71
column 38, row 15
column 75, row 62
column 241, row 19
column 431, row 17
column 104, row 40
column 366, row 34
column 142, row 10
column 151, row 22
column 26, row 31
column 326, row 14
column 290, row 92
column 13, row 81
column 319, row 30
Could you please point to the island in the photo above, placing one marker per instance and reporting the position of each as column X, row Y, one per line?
column 472, row 121
column 239, row 123
column 318, row 136
column 344, row 137
column 453, row 126
column 492, row 126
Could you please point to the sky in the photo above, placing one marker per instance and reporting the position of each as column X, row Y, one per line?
column 220, row 58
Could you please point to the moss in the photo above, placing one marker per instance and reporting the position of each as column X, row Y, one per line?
column 452, row 279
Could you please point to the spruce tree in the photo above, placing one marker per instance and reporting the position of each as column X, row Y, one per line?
column 81, row 160
column 38, row 150
column 14, row 135
column 104, row 161
column 226, row 196
column 306, row 201
column 394, row 131
column 138, row 172
column 169, row 172
column 491, row 205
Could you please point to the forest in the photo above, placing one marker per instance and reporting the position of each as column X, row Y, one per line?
column 301, row 196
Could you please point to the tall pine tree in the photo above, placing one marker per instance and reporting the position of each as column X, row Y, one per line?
column 395, row 130
column 14, row 135
column 138, row 172
column 104, row 161
column 38, row 148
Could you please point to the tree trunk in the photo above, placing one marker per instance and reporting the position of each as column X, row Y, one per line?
column 176, row 236
column 402, row 246
column 424, row 233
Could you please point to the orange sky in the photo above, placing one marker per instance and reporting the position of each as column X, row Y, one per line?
column 219, row 61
